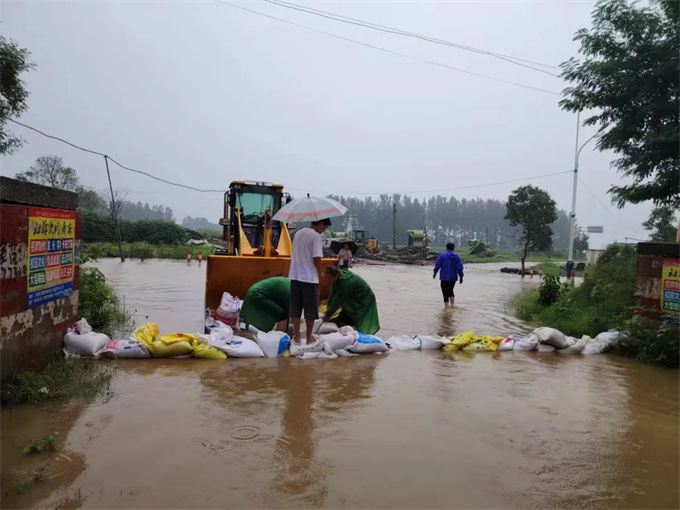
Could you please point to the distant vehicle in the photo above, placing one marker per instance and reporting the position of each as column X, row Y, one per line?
column 417, row 238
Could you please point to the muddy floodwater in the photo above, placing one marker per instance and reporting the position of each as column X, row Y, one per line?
column 405, row 430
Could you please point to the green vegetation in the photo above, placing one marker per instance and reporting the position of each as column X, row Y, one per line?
column 62, row 378
column 14, row 61
column 629, row 76
column 40, row 445
column 144, row 251
column 100, row 228
column 98, row 303
column 662, row 223
column 604, row 301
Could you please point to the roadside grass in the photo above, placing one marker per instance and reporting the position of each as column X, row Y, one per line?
column 62, row 378
column 144, row 251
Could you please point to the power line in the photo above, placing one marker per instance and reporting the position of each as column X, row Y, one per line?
column 608, row 209
column 391, row 30
column 379, row 48
column 522, row 179
column 114, row 161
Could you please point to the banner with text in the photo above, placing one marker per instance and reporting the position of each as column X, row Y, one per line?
column 670, row 291
column 51, row 242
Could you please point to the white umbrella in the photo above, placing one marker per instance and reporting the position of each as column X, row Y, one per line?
column 309, row 209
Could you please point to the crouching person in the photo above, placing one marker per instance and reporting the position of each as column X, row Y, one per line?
column 350, row 292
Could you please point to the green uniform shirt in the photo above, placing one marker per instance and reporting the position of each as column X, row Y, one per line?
column 266, row 303
column 355, row 297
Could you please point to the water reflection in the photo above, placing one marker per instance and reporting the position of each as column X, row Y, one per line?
column 447, row 323
column 310, row 399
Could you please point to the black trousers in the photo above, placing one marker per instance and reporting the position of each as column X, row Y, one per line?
column 447, row 289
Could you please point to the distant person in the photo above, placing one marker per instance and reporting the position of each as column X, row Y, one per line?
column 267, row 304
column 350, row 292
column 450, row 269
column 305, row 274
column 345, row 256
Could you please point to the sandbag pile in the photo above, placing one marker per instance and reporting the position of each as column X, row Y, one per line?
column 331, row 342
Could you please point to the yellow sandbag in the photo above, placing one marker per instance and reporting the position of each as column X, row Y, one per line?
column 205, row 351
column 481, row 344
column 463, row 339
column 449, row 348
column 146, row 333
column 497, row 339
column 323, row 306
column 171, row 338
column 160, row 349
column 286, row 354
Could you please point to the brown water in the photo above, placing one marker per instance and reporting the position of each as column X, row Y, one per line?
column 406, row 430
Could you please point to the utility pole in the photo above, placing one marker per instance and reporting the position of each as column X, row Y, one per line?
column 114, row 212
column 394, row 226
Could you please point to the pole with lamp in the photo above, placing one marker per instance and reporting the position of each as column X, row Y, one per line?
column 572, row 216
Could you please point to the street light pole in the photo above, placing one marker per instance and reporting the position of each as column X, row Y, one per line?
column 572, row 216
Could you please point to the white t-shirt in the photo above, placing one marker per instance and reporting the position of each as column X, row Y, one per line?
column 306, row 246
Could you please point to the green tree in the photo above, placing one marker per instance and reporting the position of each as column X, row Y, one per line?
column 631, row 77
column 13, row 94
column 662, row 224
column 50, row 171
column 581, row 244
column 533, row 211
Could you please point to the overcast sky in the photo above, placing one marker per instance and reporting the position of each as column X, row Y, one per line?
column 202, row 93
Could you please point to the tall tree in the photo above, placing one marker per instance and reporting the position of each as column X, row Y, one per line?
column 631, row 77
column 50, row 171
column 533, row 210
column 14, row 61
column 662, row 224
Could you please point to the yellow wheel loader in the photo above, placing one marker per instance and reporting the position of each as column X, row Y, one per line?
column 256, row 247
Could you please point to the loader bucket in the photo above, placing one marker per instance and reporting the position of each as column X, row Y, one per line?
column 236, row 274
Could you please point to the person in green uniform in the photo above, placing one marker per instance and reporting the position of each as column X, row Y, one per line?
column 350, row 292
column 267, row 304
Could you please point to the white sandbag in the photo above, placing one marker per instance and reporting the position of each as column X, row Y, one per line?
column 297, row 349
column 239, row 348
column 607, row 338
column 545, row 348
column 124, row 349
column 318, row 355
column 551, row 336
column 349, row 331
column 527, row 343
column 220, row 333
column 366, row 344
column 228, row 311
column 344, row 353
column 274, row 343
column 594, row 347
column 87, row 344
column 431, row 343
column 336, row 341
column 326, row 328
column 507, row 344
column 405, row 342
column 81, row 327
column 575, row 346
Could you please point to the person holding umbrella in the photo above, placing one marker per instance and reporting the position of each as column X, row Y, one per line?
column 305, row 264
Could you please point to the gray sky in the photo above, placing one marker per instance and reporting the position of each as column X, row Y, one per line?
column 202, row 93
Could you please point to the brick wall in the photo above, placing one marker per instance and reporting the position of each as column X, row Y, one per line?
column 30, row 336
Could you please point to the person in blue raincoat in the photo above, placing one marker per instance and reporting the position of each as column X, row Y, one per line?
column 450, row 269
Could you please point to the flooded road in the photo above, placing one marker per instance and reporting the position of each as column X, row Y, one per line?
column 407, row 430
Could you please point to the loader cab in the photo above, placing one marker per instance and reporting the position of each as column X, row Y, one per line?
column 250, row 206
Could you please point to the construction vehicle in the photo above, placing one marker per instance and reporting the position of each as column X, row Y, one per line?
column 417, row 238
column 359, row 236
column 255, row 246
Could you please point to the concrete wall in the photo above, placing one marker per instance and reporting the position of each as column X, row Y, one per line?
column 650, row 263
column 30, row 336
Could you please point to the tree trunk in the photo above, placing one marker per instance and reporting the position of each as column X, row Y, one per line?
column 524, row 257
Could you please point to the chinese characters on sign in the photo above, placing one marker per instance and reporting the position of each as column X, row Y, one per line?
column 51, row 241
column 670, row 291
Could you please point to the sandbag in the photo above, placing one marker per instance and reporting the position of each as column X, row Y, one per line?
column 318, row 355
column 160, row 349
column 349, row 331
column 171, row 338
column 575, row 346
column 274, row 343
column 327, row 327
column 228, row 311
column 82, row 327
column 205, row 351
column 405, row 343
column 607, row 338
column 220, row 333
column 527, row 343
column 366, row 344
column 431, row 343
column 239, row 347
column 481, row 343
column 345, row 353
column 337, row 341
column 507, row 344
column 462, row 340
column 146, row 333
column 124, row 349
column 545, row 348
column 297, row 349
column 87, row 344
column 551, row 336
